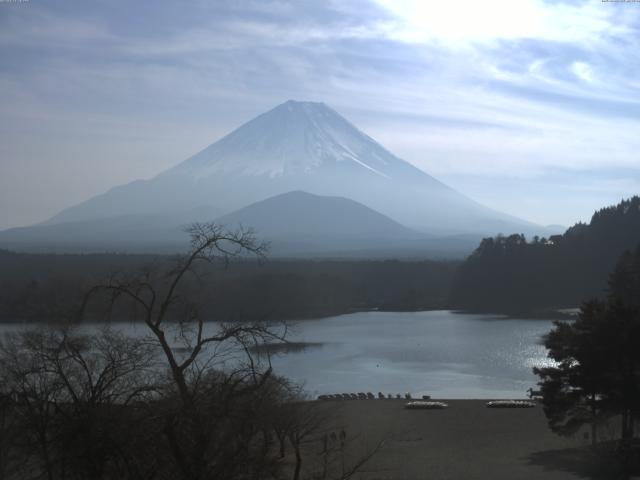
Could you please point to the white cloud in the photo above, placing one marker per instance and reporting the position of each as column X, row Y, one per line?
column 464, row 21
column 583, row 71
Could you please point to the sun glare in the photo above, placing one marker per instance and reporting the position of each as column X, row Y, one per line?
column 471, row 21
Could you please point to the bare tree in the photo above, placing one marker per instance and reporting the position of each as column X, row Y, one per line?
column 316, row 434
column 157, row 297
column 196, row 426
column 70, row 398
column 191, row 399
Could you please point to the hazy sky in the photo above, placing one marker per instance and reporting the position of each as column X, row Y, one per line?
column 529, row 106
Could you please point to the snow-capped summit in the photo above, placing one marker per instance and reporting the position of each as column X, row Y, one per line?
column 293, row 138
column 300, row 146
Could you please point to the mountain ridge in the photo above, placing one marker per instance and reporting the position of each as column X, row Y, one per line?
column 300, row 213
column 296, row 224
column 302, row 146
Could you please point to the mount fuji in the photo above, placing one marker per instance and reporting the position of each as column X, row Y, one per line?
column 297, row 146
column 300, row 146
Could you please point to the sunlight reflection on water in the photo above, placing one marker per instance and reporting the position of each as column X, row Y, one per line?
column 440, row 353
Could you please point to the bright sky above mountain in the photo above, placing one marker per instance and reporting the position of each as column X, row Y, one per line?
column 531, row 107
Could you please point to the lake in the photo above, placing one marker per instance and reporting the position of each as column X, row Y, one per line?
column 439, row 353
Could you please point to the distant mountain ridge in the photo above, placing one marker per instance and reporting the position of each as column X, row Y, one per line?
column 301, row 146
column 301, row 214
column 296, row 224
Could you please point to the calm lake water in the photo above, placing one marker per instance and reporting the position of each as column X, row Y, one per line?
column 439, row 353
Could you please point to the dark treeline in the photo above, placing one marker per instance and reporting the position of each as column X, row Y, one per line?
column 512, row 275
column 505, row 274
column 38, row 286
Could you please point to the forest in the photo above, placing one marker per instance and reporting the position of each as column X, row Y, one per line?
column 38, row 286
column 510, row 274
column 505, row 274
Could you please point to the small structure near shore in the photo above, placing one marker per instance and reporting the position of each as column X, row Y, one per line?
column 510, row 404
column 367, row 396
column 422, row 405
column 534, row 394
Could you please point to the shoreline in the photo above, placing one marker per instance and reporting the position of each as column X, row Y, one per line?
column 544, row 314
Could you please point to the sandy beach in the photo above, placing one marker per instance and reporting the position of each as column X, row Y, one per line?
column 465, row 441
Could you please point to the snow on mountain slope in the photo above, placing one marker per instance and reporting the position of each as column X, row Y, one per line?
column 302, row 146
column 293, row 138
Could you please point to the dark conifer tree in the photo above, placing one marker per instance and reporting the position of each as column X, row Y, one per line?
column 597, row 372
